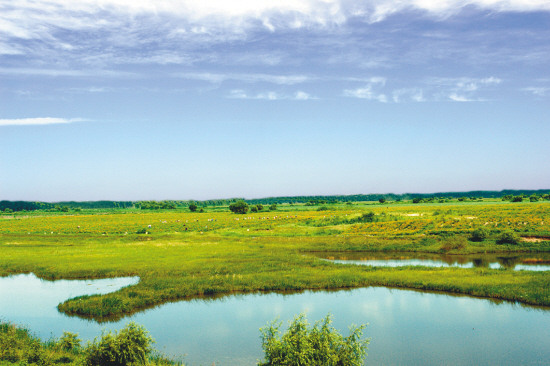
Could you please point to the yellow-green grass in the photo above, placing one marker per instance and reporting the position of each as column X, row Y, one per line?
column 221, row 253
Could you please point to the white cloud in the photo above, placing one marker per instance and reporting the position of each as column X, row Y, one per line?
column 368, row 91
column 270, row 95
column 38, row 121
column 408, row 94
column 65, row 72
column 462, row 89
column 459, row 98
column 537, row 90
column 248, row 78
column 300, row 95
column 40, row 18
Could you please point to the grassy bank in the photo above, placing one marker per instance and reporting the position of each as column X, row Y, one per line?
column 181, row 255
column 130, row 346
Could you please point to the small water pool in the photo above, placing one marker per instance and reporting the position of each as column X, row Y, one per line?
column 518, row 262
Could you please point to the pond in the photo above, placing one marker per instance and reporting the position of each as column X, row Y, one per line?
column 524, row 262
column 406, row 327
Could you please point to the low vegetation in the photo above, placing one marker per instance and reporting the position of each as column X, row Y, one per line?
column 180, row 254
column 300, row 345
column 132, row 345
column 319, row 345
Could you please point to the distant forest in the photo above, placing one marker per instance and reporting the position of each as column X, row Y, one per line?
column 66, row 206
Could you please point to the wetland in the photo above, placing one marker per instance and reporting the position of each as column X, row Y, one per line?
column 234, row 268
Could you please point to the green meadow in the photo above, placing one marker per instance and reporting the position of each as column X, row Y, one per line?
column 180, row 254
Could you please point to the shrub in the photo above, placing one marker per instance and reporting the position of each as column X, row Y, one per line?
column 273, row 207
column 517, row 199
column 479, row 234
column 319, row 345
column 508, row 237
column 454, row 242
column 382, row 200
column 69, row 342
column 129, row 346
column 367, row 217
column 253, row 209
column 193, row 207
column 417, row 200
column 259, row 207
column 239, row 207
column 18, row 346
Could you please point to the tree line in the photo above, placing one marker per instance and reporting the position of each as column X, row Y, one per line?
column 10, row 206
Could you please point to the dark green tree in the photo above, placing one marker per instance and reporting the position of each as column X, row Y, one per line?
column 239, row 207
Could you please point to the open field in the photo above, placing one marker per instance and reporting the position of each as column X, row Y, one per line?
column 180, row 255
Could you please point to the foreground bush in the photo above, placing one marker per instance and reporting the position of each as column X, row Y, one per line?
column 319, row 345
column 130, row 346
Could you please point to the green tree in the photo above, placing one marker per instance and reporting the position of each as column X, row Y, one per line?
column 316, row 346
column 239, row 207
column 517, row 199
column 479, row 234
column 193, row 207
column 534, row 198
column 273, row 207
column 382, row 200
column 508, row 237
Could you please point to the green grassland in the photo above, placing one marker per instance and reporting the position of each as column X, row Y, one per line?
column 183, row 255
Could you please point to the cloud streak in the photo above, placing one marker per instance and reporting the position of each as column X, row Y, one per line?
column 41, row 18
column 270, row 95
column 217, row 78
column 38, row 121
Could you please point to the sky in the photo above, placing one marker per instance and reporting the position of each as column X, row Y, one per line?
column 181, row 99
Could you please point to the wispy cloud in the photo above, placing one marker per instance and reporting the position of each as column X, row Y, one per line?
column 408, row 94
column 270, row 95
column 201, row 15
column 247, row 78
column 538, row 90
column 38, row 121
column 65, row 72
column 463, row 89
column 370, row 91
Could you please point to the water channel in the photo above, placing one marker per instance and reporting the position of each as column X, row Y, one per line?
column 406, row 327
column 517, row 262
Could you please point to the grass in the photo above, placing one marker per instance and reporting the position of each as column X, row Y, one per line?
column 18, row 346
column 186, row 255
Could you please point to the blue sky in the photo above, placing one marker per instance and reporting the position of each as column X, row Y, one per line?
column 180, row 99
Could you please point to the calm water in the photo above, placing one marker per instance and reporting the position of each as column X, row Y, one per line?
column 523, row 262
column 405, row 327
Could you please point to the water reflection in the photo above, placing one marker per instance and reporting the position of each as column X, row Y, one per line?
column 405, row 327
column 524, row 262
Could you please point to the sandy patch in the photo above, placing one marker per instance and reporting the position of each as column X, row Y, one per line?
column 533, row 239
